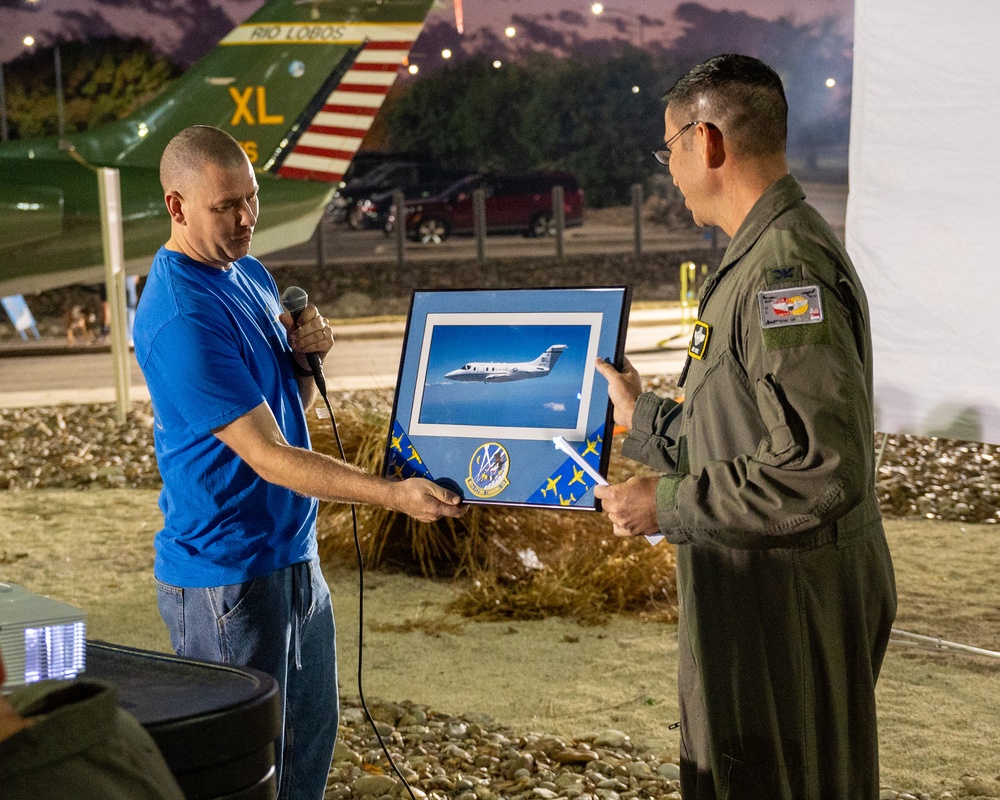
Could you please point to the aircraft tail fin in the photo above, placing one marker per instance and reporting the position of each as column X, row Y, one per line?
column 325, row 140
column 551, row 355
column 298, row 85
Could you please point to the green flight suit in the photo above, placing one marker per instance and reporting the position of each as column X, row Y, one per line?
column 80, row 747
column 785, row 582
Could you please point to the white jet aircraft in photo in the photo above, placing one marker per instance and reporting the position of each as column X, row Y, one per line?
column 499, row 371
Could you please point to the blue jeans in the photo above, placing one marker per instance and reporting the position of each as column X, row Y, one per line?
column 281, row 624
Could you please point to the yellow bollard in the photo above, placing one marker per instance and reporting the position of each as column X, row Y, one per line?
column 689, row 285
column 689, row 302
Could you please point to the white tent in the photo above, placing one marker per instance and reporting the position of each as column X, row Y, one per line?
column 923, row 210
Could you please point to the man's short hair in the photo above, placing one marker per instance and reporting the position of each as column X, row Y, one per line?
column 741, row 96
column 193, row 148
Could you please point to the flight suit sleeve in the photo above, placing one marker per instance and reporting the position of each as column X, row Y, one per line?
column 809, row 384
column 653, row 440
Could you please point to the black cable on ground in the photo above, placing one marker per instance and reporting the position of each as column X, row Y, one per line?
column 361, row 612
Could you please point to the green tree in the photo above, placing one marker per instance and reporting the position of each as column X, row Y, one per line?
column 540, row 113
column 103, row 80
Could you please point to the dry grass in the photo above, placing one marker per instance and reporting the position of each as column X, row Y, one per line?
column 517, row 563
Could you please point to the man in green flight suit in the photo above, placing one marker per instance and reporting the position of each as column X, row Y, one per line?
column 785, row 582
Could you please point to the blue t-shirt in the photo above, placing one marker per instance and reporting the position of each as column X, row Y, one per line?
column 211, row 349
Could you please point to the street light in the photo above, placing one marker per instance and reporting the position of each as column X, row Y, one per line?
column 446, row 53
column 497, row 64
column 830, row 83
column 510, row 31
column 29, row 41
column 597, row 9
column 413, row 69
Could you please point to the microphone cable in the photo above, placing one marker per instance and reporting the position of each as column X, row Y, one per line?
column 295, row 299
column 361, row 608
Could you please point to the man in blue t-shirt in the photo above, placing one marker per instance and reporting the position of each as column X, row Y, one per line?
column 237, row 573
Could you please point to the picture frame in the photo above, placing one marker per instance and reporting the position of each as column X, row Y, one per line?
column 490, row 380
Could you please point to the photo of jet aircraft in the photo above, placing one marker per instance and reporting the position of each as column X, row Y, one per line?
column 501, row 372
column 298, row 85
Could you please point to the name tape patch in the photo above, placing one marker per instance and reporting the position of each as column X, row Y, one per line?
column 780, row 308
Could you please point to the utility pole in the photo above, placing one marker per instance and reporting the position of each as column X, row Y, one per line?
column 59, row 97
column 3, row 108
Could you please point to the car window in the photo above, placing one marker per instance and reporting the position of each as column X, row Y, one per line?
column 465, row 186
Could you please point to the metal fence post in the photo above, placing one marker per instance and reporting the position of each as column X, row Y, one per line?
column 637, row 217
column 559, row 217
column 109, row 193
column 320, row 244
column 400, row 229
column 479, row 223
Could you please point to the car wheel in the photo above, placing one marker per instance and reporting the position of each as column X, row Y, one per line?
column 432, row 231
column 542, row 225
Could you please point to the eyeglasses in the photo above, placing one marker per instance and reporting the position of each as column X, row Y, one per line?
column 663, row 156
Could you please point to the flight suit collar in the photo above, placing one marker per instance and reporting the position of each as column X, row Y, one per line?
column 778, row 198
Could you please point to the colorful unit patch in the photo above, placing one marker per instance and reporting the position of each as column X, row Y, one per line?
column 699, row 340
column 488, row 470
column 780, row 308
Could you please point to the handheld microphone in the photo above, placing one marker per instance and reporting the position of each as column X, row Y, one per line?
column 295, row 300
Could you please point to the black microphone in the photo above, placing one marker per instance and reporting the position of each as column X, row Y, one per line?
column 295, row 300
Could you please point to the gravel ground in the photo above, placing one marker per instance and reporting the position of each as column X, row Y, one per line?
column 81, row 447
column 470, row 758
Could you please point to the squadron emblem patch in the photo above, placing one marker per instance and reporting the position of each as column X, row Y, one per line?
column 783, row 307
column 488, row 470
column 699, row 340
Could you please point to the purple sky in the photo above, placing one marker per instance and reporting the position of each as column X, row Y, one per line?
column 497, row 12
column 163, row 21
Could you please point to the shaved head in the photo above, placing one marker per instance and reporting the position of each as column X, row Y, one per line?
column 210, row 191
column 186, row 155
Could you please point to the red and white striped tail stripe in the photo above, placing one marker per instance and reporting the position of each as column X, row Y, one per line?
column 325, row 149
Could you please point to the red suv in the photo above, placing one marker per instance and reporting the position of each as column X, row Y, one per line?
column 514, row 204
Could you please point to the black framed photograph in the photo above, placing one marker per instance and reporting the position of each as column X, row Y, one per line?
column 498, row 396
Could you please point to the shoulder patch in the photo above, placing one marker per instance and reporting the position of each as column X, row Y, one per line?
column 775, row 275
column 782, row 307
column 793, row 317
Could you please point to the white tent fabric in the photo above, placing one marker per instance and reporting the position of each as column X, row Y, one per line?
column 924, row 208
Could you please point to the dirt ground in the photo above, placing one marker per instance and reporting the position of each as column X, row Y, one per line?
column 939, row 712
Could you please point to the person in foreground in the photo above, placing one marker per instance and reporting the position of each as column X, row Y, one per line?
column 785, row 582
column 68, row 740
column 237, row 572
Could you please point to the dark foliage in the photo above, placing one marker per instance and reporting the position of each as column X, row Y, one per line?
column 104, row 80
column 541, row 113
column 562, row 101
